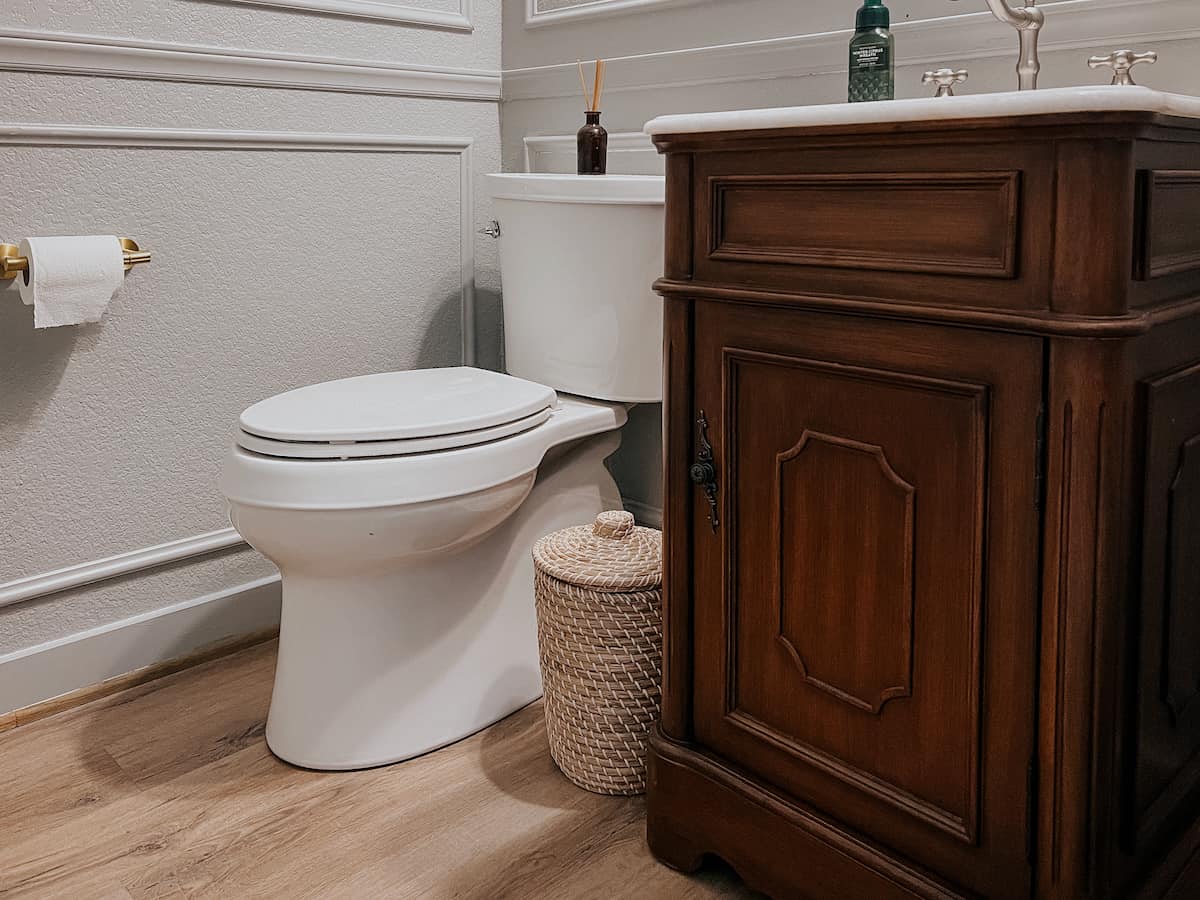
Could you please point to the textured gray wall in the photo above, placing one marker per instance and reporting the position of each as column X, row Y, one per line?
column 111, row 435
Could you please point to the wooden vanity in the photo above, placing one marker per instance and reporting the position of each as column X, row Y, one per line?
column 938, row 633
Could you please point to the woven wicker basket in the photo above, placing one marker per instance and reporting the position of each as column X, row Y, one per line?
column 599, row 610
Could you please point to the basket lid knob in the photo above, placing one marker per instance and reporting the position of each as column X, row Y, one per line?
column 614, row 525
column 611, row 554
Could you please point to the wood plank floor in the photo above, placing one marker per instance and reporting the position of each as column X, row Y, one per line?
column 168, row 790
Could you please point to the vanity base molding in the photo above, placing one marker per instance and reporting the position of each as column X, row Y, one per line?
column 700, row 805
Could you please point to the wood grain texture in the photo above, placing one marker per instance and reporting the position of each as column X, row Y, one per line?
column 1171, row 243
column 678, row 237
column 170, row 790
column 879, row 586
column 957, row 229
column 1167, row 733
column 678, row 427
column 939, row 406
column 1092, row 240
column 700, row 804
column 1131, row 324
column 1167, row 236
column 1047, row 743
column 950, row 223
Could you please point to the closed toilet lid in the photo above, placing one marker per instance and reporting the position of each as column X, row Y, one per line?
column 400, row 406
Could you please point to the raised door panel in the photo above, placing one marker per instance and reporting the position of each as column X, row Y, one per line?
column 842, row 580
column 865, row 611
column 1166, row 250
column 824, row 639
column 1167, row 782
column 1169, row 242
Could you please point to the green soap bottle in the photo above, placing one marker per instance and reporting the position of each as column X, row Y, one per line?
column 872, row 62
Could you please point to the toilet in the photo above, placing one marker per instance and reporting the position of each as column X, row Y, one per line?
column 401, row 507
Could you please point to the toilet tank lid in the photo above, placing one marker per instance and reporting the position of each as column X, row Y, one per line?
column 644, row 190
column 391, row 406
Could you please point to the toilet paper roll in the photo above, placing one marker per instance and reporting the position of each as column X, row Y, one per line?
column 70, row 280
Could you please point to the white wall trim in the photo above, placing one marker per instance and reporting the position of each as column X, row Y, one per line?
column 23, row 134
column 384, row 10
column 536, row 18
column 37, row 134
column 57, row 667
column 96, row 55
column 537, row 145
column 36, row 586
column 208, row 139
column 1071, row 25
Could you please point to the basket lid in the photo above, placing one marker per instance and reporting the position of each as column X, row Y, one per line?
column 612, row 554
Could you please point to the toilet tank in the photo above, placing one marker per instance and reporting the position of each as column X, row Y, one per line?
column 578, row 256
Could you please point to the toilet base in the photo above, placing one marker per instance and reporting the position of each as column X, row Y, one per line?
column 382, row 666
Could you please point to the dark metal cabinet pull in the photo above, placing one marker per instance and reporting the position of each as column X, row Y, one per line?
column 703, row 472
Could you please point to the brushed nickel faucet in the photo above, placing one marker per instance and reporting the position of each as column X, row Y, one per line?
column 1028, row 20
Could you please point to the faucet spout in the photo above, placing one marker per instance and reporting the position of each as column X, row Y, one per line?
column 1028, row 20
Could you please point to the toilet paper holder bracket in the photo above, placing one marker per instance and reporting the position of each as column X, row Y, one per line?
column 12, row 262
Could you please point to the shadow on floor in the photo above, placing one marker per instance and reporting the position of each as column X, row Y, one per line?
column 523, row 735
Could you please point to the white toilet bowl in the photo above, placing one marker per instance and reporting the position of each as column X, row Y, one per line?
column 401, row 508
column 407, row 619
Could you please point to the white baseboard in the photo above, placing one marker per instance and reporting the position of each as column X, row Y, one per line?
column 650, row 516
column 57, row 667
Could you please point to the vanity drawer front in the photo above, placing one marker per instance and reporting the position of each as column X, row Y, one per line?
column 934, row 228
column 951, row 223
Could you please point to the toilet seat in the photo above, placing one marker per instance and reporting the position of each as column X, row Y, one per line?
column 369, row 449
column 256, row 479
column 393, row 414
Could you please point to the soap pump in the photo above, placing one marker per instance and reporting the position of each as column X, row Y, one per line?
column 872, row 62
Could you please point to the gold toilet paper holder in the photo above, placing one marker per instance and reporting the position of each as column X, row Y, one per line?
column 12, row 262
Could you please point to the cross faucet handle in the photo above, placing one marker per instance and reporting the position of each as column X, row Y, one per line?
column 1122, row 63
column 945, row 79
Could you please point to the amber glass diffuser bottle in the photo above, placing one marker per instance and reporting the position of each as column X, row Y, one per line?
column 592, row 140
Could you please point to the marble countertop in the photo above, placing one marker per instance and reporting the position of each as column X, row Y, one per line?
column 977, row 106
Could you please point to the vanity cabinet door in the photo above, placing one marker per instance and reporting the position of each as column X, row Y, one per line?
column 865, row 608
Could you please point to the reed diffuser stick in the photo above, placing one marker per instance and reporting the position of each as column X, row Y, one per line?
column 583, row 84
column 598, row 85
